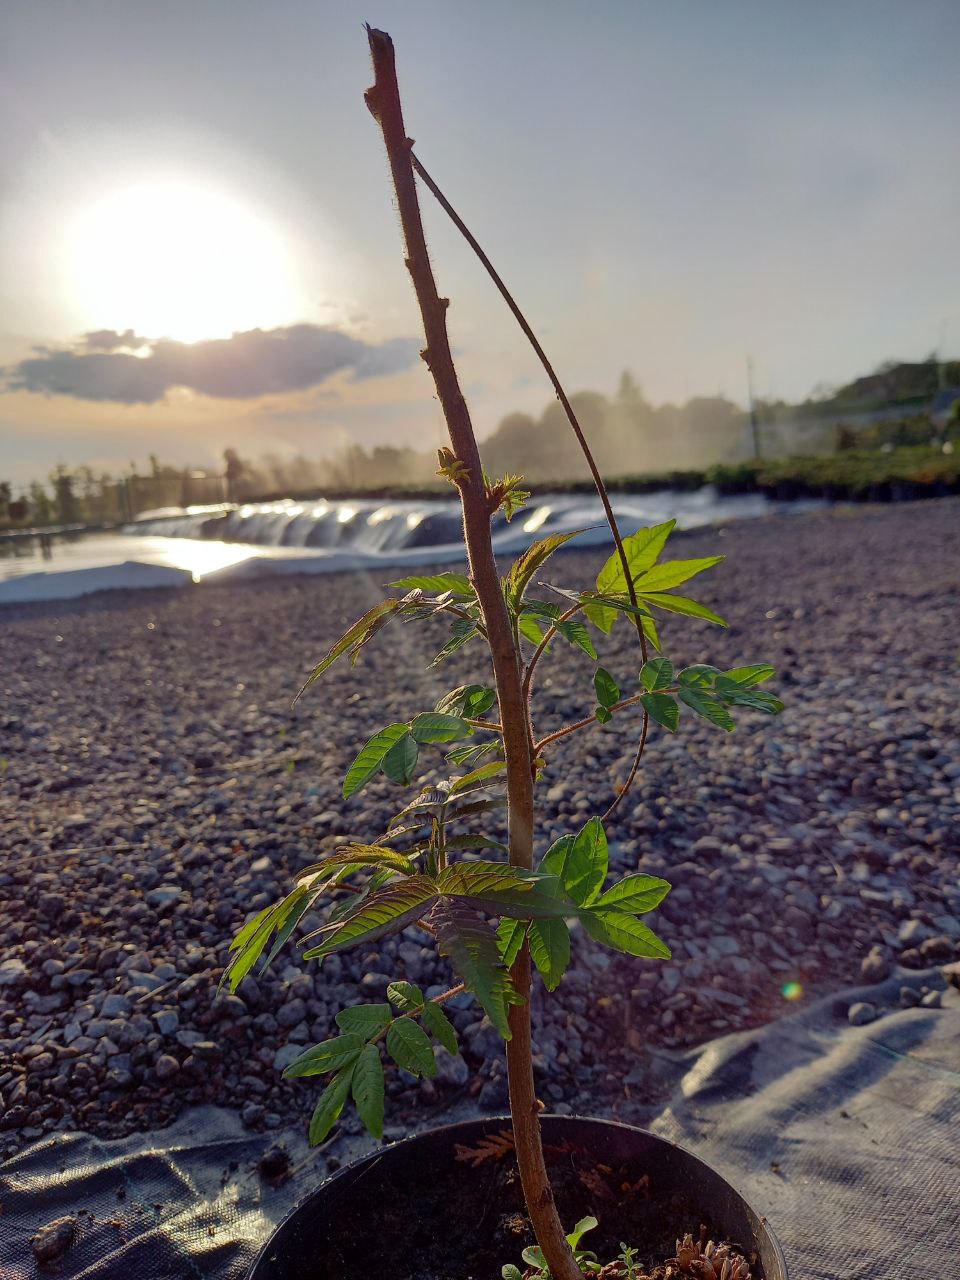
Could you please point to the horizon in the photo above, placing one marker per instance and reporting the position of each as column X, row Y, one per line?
column 201, row 250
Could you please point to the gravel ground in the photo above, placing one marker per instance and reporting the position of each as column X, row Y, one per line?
column 156, row 789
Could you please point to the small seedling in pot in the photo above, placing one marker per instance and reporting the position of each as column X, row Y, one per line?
column 537, row 1263
column 444, row 864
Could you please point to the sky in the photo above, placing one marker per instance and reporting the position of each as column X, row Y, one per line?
column 198, row 245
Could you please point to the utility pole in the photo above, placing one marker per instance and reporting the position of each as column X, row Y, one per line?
column 754, row 423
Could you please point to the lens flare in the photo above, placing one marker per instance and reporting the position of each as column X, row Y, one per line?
column 792, row 991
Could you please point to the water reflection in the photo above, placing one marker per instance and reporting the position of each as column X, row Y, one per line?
column 201, row 558
column 44, row 551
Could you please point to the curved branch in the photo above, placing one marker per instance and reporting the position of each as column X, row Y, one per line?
column 633, row 771
column 585, row 723
column 564, row 401
column 551, row 374
column 538, row 652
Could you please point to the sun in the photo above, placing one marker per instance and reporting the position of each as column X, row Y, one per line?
column 174, row 258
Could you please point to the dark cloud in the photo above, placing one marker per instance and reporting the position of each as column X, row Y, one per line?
column 248, row 365
column 110, row 340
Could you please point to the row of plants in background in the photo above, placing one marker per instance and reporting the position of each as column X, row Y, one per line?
column 851, row 475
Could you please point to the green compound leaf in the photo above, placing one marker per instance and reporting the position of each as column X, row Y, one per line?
column 368, row 1089
column 642, row 550
column 331, row 1103
column 474, row 842
column 409, row 1047
column 437, row 583
column 635, row 894
column 550, row 950
column 364, row 1020
column 510, row 936
column 478, row 776
column 470, row 754
column 663, row 708
column 331, row 1055
column 358, row 634
column 656, row 674
column 681, row 604
column 470, row 700
column 608, row 691
column 569, row 629
column 709, row 707
column 473, row 949
column 433, row 726
column 649, row 627
column 388, row 911
column 292, row 918
column 355, row 902
column 599, row 606
column 530, row 628
column 500, row 889
column 461, row 633
column 700, row 675
column 731, row 691
column 356, row 855
column 752, row 675
column 576, row 633
column 603, row 716
column 580, row 862
column 370, row 758
column 674, row 572
column 405, row 996
column 624, row 933
column 533, row 559
column 401, row 760
column 281, row 918
column 440, row 1026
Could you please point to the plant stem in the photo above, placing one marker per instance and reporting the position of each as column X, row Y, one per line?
column 384, row 102
column 571, row 418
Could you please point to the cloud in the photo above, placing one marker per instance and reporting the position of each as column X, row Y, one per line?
column 102, row 366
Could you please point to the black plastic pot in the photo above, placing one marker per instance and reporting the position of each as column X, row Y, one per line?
column 413, row 1211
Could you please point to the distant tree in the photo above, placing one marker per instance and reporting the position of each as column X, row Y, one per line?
column 6, row 493
column 40, row 504
column 235, row 471
column 65, row 501
column 629, row 393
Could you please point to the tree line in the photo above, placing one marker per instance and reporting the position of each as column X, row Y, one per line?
column 629, row 436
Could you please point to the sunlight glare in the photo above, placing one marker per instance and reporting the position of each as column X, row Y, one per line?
column 177, row 259
column 203, row 558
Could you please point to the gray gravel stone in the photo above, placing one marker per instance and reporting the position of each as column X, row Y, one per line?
column 166, row 1067
column 13, row 973
column 167, row 1020
column 875, row 967
column 114, row 1006
column 289, row 1014
column 451, row 1068
column 285, row 1055
column 861, row 1013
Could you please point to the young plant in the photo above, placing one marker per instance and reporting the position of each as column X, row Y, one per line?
column 537, row 1263
column 441, row 864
